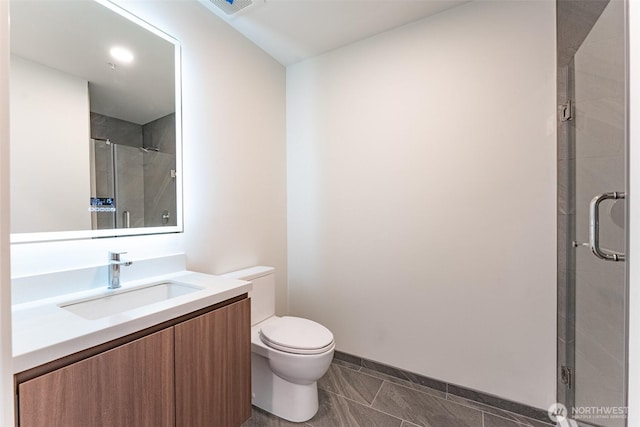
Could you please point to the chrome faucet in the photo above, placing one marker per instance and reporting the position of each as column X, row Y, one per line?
column 114, row 269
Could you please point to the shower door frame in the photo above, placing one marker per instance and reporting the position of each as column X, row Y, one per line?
column 567, row 242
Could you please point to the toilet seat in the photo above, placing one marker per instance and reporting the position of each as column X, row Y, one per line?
column 296, row 335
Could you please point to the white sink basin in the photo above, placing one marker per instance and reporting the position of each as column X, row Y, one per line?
column 116, row 302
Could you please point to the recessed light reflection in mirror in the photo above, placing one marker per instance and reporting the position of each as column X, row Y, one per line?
column 121, row 54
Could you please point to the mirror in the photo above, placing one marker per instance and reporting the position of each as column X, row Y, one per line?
column 95, row 132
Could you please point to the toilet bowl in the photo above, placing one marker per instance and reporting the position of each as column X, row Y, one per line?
column 288, row 354
column 283, row 381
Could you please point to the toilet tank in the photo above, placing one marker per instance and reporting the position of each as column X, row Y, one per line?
column 263, row 295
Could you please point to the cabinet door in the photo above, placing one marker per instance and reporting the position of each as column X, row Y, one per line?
column 129, row 386
column 213, row 368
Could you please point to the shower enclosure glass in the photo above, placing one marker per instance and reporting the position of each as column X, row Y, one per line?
column 140, row 183
column 593, row 273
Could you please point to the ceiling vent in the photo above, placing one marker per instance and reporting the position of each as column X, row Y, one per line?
column 230, row 9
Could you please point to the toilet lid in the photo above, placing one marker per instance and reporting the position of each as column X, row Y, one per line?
column 296, row 335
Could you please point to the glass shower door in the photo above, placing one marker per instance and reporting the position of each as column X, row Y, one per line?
column 117, row 173
column 129, row 186
column 141, row 184
column 600, row 317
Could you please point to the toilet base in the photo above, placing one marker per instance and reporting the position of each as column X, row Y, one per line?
column 284, row 399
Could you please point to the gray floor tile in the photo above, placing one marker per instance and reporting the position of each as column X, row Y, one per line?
column 354, row 396
column 494, row 421
column 491, row 420
column 508, row 406
column 260, row 418
column 424, row 409
column 495, row 411
column 350, row 384
column 405, row 383
column 536, row 423
column 337, row 411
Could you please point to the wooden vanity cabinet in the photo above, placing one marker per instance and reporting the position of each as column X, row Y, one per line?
column 213, row 368
column 189, row 372
column 129, row 385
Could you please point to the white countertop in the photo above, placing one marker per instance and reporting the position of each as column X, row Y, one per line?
column 43, row 332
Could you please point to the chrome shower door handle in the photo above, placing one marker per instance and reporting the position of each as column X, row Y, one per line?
column 594, row 226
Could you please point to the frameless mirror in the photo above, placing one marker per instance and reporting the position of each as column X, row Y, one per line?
column 95, row 123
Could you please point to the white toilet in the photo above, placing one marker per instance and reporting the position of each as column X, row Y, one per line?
column 288, row 354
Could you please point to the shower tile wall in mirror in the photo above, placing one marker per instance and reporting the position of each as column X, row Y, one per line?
column 95, row 137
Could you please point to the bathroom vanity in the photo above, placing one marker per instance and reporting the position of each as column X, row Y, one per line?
column 169, row 348
column 180, row 362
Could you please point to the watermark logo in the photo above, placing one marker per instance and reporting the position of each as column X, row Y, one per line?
column 559, row 414
column 599, row 412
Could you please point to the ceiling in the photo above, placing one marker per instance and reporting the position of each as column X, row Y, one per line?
column 294, row 30
column 75, row 37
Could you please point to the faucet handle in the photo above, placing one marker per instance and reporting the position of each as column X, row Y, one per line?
column 115, row 255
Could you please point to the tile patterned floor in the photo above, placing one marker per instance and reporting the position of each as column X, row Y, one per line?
column 351, row 396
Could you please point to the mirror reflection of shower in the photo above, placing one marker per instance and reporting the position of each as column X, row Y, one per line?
column 134, row 178
column 133, row 166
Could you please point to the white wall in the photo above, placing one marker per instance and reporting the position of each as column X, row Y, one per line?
column 6, row 369
column 422, row 197
column 49, row 149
